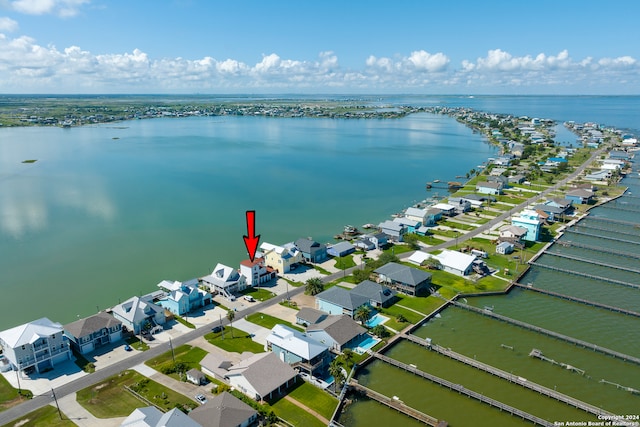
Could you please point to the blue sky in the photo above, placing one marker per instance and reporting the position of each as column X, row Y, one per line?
column 303, row 46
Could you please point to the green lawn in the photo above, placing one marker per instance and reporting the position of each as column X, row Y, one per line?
column 345, row 262
column 315, row 398
column 44, row 417
column 260, row 294
column 397, row 249
column 422, row 304
column 429, row 240
column 295, row 415
column 110, row 399
column 267, row 321
column 394, row 310
column 457, row 225
column 234, row 340
column 9, row 395
column 190, row 356
column 136, row 344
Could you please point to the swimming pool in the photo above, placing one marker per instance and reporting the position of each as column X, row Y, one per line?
column 366, row 344
column 376, row 320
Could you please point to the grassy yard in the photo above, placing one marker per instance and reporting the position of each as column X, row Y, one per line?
column 295, row 415
column 344, row 262
column 9, row 396
column 259, row 294
column 190, row 356
column 110, row 399
column 313, row 397
column 234, row 340
column 429, row 240
column 457, row 225
column 135, row 343
column 397, row 249
column 267, row 321
column 395, row 310
column 44, row 417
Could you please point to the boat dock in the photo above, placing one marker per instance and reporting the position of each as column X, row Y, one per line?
column 397, row 404
column 587, row 275
column 547, row 332
column 575, row 258
column 607, row 230
column 578, row 300
column 570, row 243
column 509, row 377
column 602, row 237
column 612, row 221
column 462, row 390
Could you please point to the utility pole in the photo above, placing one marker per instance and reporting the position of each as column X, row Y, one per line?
column 221, row 327
column 173, row 355
column 53, row 395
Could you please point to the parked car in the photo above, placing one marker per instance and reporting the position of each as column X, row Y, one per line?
column 216, row 329
column 127, row 348
column 249, row 298
column 201, row 399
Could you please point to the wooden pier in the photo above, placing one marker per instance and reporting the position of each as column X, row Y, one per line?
column 618, row 208
column 603, row 237
column 525, row 325
column 591, row 227
column 613, row 221
column 587, row 275
column 398, row 405
column 578, row 300
column 538, row 355
column 576, row 258
column 462, row 390
column 509, row 377
column 599, row 249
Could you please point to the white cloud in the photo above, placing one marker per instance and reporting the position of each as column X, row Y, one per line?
column 27, row 67
column 8, row 25
column 63, row 8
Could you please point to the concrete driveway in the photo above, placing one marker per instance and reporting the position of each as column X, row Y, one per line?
column 258, row 333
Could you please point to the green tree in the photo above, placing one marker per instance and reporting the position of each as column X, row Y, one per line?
column 432, row 263
column 412, row 241
column 380, row 331
column 400, row 318
column 361, row 275
column 347, row 356
column 313, row 286
column 362, row 313
column 231, row 314
column 335, row 370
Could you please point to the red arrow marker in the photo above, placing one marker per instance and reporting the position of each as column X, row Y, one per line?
column 251, row 241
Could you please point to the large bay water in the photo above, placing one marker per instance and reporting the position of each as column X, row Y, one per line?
column 109, row 211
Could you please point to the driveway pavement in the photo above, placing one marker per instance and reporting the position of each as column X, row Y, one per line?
column 258, row 333
column 75, row 412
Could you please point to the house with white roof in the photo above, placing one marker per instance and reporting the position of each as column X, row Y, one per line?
column 38, row 345
column 225, row 280
column 280, row 258
column 298, row 350
column 445, row 208
column 138, row 314
column 393, row 230
column 151, row 416
column 456, row 262
column 182, row 297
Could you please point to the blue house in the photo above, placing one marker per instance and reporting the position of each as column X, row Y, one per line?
column 183, row 297
column 530, row 220
column 311, row 250
column 410, row 225
column 337, row 300
column 341, row 249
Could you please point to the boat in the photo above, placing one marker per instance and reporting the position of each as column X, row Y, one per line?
column 368, row 226
column 436, row 180
column 350, row 229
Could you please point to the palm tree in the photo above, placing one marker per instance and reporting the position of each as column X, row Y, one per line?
column 231, row 315
column 347, row 356
column 335, row 370
column 314, row 286
column 362, row 314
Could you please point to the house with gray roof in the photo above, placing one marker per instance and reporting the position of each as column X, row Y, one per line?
column 311, row 250
column 337, row 300
column 377, row 295
column 262, row 376
column 151, row 416
column 90, row 333
column 215, row 365
column 486, row 187
column 338, row 332
column 224, row 410
column 341, row 249
column 393, row 230
column 307, row 316
column 407, row 280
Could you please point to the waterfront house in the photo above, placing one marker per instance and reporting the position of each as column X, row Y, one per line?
column 601, row 175
column 261, row 376
column 512, row 233
column 417, row 214
column 485, row 187
column 90, row 333
column 445, row 209
column 579, row 196
column 298, row 350
column 531, row 221
column 182, row 297
column 462, row 205
column 364, row 243
column 378, row 239
column 338, row 332
column 408, row 280
column 225, row 280
column 456, row 262
column 393, row 230
column 37, row 345
column 139, row 313
column 341, row 249
column 410, row 225
column 256, row 272
column 280, row 258
column 337, row 300
column 504, row 248
column 517, row 179
column 151, row 416
column 224, row 410
column 311, row 250
column 554, row 209
column 378, row 295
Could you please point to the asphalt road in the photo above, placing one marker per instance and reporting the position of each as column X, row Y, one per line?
column 94, row 378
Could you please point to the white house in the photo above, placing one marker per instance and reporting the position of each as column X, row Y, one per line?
column 445, row 208
column 256, row 272
column 225, row 280
column 138, row 314
column 151, row 416
column 38, row 345
column 456, row 262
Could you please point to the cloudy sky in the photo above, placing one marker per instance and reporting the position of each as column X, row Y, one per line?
column 328, row 46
